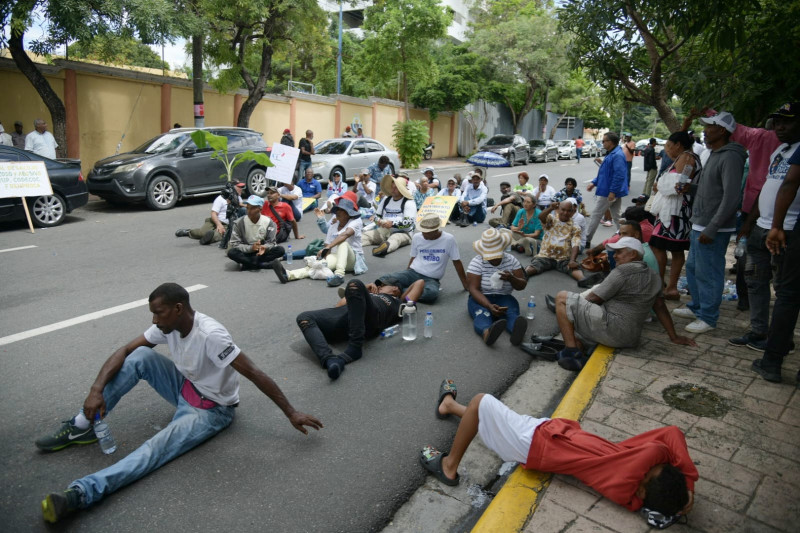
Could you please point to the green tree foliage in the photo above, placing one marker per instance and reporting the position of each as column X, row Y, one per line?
column 410, row 138
column 579, row 97
column 527, row 54
column 398, row 38
column 117, row 50
column 324, row 65
column 219, row 145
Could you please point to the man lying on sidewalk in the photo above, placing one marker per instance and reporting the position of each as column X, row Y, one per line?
column 651, row 471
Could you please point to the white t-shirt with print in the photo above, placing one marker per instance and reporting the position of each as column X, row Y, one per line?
column 431, row 257
column 394, row 211
column 356, row 224
column 203, row 357
column 778, row 167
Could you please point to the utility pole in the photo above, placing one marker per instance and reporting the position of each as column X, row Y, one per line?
column 197, row 80
column 339, row 55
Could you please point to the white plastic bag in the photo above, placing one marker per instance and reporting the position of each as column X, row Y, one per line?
column 318, row 268
column 495, row 281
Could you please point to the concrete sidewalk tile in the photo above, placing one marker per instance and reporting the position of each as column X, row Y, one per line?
column 776, row 503
column 682, row 419
column 717, row 368
column 770, row 464
column 760, row 407
column 616, row 517
column 791, row 416
column 794, row 403
column 725, row 473
column 765, row 428
column 773, row 392
column 598, row 411
column 628, row 360
column 584, row 525
column 618, row 383
column 716, row 445
column 635, row 402
column 430, row 510
column 724, row 496
column 725, row 383
column 707, row 515
column 628, row 421
column 720, row 357
column 752, row 525
column 570, row 496
column 636, row 375
column 549, row 516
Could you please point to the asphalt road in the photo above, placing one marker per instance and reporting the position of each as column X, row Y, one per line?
column 260, row 474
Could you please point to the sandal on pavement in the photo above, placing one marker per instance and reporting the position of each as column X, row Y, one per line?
column 431, row 460
column 448, row 387
column 494, row 331
column 518, row 331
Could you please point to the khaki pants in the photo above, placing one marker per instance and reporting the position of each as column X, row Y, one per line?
column 648, row 184
column 530, row 245
column 207, row 226
column 380, row 235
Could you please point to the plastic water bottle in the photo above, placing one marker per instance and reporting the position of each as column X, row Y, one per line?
column 104, row 437
column 409, row 321
column 289, row 254
column 474, row 224
column 390, row 331
column 531, row 305
column 741, row 247
column 428, row 332
column 686, row 174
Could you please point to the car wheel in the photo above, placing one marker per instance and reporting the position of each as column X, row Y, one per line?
column 512, row 158
column 257, row 182
column 428, row 154
column 48, row 211
column 162, row 193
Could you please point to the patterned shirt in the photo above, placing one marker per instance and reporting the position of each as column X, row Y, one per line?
column 563, row 195
column 419, row 196
column 559, row 238
column 376, row 174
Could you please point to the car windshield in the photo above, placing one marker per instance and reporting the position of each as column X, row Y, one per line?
column 563, row 143
column 500, row 140
column 332, row 147
column 537, row 143
column 162, row 143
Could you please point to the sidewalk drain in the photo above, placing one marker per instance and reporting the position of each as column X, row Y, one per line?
column 695, row 400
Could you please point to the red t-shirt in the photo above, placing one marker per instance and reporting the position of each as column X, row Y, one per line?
column 283, row 209
column 615, row 470
column 579, row 143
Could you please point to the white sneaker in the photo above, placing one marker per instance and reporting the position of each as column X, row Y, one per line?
column 683, row 312
column 698, row 326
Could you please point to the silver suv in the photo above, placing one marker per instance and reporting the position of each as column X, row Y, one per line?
column 170, row 167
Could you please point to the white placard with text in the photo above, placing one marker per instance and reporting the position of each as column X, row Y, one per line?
column 24, row 178
column 285, row 160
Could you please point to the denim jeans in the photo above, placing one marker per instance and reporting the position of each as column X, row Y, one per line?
column 758, row 274
column 787, row 303
column 476, row 213
column 303, row 166
column 482, row 318
column 705, row 275
column 406, row 277
column 189, row 427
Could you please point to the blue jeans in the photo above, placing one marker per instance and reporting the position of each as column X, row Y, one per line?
column 705, row 275
column 189, row 427
column 476, row 213
column 578, row 154
column 303, row 166
column 757, row 275
column 482, row 318
column 406, row 277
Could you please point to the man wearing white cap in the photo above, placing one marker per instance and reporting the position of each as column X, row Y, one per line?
column 613, row 312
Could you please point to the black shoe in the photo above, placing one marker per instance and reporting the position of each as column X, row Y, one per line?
column 518, row 331
column 769, row 375
column 182, row 233
column 591, row 280
column 67, row 435
column 279, row 271
column 208, row 237
column 57, row 506
column 539, row 350
column 493, row 332
column 550, row 302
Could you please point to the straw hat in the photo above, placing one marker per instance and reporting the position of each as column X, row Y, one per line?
column 400, row 182
column 492, row 243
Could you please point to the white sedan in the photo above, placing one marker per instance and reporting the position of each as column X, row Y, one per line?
column 566, row 149
column 349, row 156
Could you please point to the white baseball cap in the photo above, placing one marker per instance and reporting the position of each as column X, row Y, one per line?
column 627, row 242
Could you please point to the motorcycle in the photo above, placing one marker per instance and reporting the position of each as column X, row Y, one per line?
column 427, row 152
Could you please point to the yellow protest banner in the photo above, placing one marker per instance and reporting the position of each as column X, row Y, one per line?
column 440, row 205
column 307, row 202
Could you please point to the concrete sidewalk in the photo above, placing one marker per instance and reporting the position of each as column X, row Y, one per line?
column 748, row 458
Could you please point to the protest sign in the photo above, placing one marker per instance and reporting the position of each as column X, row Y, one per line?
column 19, row 179
column 285, row 160
column 441, row 205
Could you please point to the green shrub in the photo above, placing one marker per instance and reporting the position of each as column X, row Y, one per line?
column 410, row 138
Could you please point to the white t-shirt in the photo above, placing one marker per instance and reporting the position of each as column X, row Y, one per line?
column 778, row 167
column 203, row 357
column 354, row 240
column 580, row 221
column 393, row 212
column 43, row 144
column 445, row 192
column 431, row 257
column 485, row 269
column 297, row 191
column 360, row 191
column 220, row 207
column 544, row 198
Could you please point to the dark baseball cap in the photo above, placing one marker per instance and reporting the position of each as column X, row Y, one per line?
column 388, row 280
column 641, row 199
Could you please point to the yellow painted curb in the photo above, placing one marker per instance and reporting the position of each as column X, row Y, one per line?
column 518, row 498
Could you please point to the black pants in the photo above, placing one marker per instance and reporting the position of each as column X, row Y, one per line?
column 254, row 261
column 357, row 320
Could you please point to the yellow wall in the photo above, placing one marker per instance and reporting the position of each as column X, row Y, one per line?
column 219, row 109
column 317, row 117
column 387, row 116
column 181, row 106
column 21, row 102
column 271, row 118
column 441, row 136
column 350, row 113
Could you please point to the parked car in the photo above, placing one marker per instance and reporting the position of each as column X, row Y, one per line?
column 170, row 167
column 566, row 149
column 513, row 147
column 601, row 151
column 69, row 190
column 349, row 156
column 589, row 149
column 641, row 145
column 543, row 150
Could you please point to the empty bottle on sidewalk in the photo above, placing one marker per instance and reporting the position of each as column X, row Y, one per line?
column 390, row 331
column 289, row 254
column 428, row 332
column 104, row 437
column 531, row 305
column 741, row 247
column 409, row 313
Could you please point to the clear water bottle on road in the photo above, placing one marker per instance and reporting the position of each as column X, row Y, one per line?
column 741, row 247
column 409, row 314
column 531, row 305
column 289, row 254
column 104, row 437
column 391, row 331
column 474, row 224
column 428, row 332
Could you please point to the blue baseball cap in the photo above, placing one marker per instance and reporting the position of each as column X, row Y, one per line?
column 255, row 200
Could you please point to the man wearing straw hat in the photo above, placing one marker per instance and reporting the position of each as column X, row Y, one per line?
column 394, row 217
column 492, row 276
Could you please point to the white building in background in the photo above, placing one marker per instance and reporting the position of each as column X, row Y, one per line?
column 353, row 15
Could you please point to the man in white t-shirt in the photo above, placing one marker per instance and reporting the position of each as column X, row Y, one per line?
column 365, row 189
column 431, row 249
column 40, row 141
column 394, row 217
column 214, row 226
column 293, row 195
column 201, row 378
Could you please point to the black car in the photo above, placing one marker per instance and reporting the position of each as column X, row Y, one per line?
column 69, row 190
column 512, row 147
column 170, row 167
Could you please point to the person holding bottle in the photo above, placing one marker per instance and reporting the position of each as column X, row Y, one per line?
column 200, row 378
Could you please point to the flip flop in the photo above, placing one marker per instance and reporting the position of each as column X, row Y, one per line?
column 448, row 387
column 495, row 330
column 518, row 331
column 431, row 460
column 573, row 363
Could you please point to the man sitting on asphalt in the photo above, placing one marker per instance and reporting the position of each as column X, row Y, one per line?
column 253, row 243
column 361, row 314
column 199, row 347
column 422, row 192
column 510, row 202
column 613, row 312
column 280, row 213
column 627, row 228
column 473, row 202
column 293, row 195
column 377, row 171
column 433, row 181
column 560, row 243
column 311, row 189
column 394, row 217
column 431, row 249
column 365, row 189
column 213, row 229
column 651, row 471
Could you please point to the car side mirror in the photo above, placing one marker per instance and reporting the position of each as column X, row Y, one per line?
column 189, row 152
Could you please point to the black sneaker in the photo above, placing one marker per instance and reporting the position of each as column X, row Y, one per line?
column 57, row 506
column 747, row 339
column 280, row 271
column 182, row 233
column 769, row 375
column 67, row 435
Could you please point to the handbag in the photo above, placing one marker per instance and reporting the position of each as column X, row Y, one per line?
column 284, row 228
column 315, row 246
column 596, row 263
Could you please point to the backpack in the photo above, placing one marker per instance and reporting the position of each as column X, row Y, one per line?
column 386, row 201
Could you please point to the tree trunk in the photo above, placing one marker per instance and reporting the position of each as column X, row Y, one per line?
column 58, row 113
column 197, row 76
column 255, row 91
column 667, row 115
column 405, row 96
